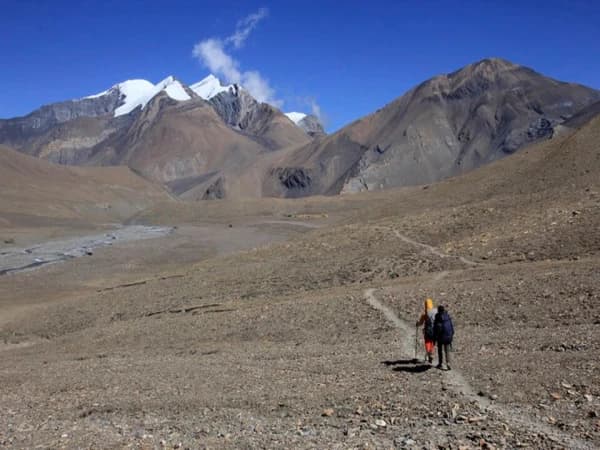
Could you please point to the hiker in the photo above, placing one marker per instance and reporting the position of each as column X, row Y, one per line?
column 443, row 332
column 427, row 319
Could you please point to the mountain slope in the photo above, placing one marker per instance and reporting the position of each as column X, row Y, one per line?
column 32, row 187
column 447, row 125
column 185, row 146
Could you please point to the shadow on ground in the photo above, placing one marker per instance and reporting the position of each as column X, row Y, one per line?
column 408, row 365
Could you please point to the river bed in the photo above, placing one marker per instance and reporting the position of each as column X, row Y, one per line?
column 18, row 259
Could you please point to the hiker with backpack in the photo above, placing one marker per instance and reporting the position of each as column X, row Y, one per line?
column 443, row 333
column 427, row 319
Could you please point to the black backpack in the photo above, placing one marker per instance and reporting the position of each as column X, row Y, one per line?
column 444, row 329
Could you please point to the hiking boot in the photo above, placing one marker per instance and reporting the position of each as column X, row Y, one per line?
column 430, row 359
column 439, row 366
column 448, row 367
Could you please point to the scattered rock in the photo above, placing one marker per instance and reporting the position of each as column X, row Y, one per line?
column 328, row 412
column 381, row 423
column 476, row 419
column 555, row 395
column 454, row 411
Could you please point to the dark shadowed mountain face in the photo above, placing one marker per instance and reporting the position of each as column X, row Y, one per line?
column 445, row 126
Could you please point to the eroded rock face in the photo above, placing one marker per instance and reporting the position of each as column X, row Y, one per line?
column 312, row 126
column 215, row 191
column 235, row 106
column 261, row 121
column 293, row 178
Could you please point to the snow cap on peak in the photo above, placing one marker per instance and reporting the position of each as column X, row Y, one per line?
column 295, row 117
column 134, row 93
column 208, row 87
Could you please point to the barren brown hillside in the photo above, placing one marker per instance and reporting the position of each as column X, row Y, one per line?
column 37, row 193
column 309, row 343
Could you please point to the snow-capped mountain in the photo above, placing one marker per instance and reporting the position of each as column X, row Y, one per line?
column 308, row 122
column 240, row 110
column 232, row 102
column 134, row 93
column 295, row 117
column 169, row 132
column 209, row 87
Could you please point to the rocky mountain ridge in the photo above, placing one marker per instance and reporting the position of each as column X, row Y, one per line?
column 39, row 133
column 210, row 140
column 218, row 127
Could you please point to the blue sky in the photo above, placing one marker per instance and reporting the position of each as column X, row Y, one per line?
column 347, row 57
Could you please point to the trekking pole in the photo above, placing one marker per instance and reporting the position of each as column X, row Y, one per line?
column 416, row 340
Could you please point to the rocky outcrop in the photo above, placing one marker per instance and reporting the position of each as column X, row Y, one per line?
column 235, row 106
column 312, row 126
column 215, row 191
column 261, row 121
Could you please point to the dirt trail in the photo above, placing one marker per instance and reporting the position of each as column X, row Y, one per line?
column 434, row 250
column 460, row 385
column 407, row 345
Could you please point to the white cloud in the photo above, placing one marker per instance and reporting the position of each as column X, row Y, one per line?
column 310, row 102
column 245, row 26
column 260, row 89
column 315, row 108
column 214, row 55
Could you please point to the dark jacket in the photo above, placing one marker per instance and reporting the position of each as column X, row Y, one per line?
column 442, row 328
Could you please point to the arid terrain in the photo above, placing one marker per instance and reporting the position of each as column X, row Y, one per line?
column 290, row 323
